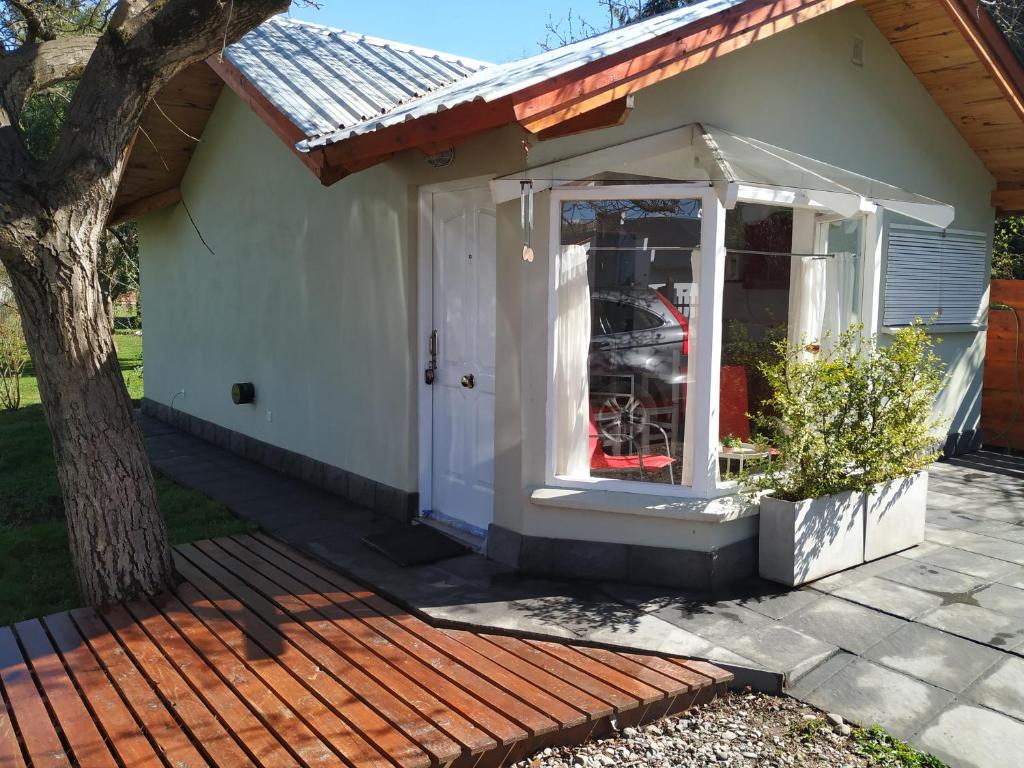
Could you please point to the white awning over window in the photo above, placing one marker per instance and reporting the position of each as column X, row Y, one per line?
column 737, row 167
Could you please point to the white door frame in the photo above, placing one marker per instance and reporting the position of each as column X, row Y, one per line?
column 425, row 324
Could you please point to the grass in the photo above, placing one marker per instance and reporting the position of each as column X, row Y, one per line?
column 35, row 564
column 886, row 751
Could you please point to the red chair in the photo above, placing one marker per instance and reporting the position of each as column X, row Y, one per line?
column 638, row 461
column 734, row 403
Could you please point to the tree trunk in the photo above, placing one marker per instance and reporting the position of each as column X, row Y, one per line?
column 117, row 535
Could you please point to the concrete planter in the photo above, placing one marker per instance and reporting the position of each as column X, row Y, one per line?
column 895, row 516
column 805, row 540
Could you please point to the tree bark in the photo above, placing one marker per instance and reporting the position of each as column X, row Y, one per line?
column 116, row 533
column 52, row 216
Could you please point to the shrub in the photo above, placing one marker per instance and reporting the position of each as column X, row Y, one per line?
column 13, row 356
column 849, row 414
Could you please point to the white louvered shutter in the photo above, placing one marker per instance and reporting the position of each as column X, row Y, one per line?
column 935, row 272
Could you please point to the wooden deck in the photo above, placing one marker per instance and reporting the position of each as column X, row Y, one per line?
column 263, row 657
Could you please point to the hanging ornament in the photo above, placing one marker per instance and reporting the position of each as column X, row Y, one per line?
column 526, row 206
column 526, row 217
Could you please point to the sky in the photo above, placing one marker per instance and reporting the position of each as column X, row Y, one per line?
column 488, row 30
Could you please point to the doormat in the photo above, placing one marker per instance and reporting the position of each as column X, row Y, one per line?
column 415, row 545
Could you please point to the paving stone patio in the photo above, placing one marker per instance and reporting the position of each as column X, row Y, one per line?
column 928, row 643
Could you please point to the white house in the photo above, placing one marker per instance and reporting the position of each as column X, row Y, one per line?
column 526, row 302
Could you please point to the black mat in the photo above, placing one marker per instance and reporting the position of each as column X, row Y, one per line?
column 415, row 545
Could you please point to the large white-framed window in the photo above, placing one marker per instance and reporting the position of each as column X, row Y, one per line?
column 635, row 338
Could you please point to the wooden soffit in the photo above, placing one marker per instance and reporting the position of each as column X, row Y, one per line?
column 162, row 148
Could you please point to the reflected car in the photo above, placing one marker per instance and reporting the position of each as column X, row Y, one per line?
column 639, row 344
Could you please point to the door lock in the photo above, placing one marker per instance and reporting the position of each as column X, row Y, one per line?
column 469, row 381
column 431, row 373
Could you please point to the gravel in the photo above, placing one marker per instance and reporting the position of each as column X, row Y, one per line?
column 739, row 730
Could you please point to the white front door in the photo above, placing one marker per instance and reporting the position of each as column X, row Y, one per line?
column 464, row 245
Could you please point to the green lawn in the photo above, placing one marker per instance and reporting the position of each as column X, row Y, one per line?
column 35, row 567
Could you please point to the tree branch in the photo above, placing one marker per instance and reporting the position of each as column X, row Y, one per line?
column 143, row 48
column 37, row 26
column 39, row 65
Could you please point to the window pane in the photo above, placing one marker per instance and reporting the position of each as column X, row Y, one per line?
column 639, row 258
column 755, row 312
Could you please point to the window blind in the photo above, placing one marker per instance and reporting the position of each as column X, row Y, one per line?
column 935, row 273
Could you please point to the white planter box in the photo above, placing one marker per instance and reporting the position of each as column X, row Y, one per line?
column 805, row 540
column 895, row 516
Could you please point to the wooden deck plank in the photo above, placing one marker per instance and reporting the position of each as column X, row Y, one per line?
column 273, row 712
column 669, row 669
column 204, row 727
column 390, row 665
column 122, row 733
column 83, row 737
column 406, row 707
column 630, row 686
column 512, row 695
column 241, row 714
column 553, row 664
column 264, row 656
column 42, row 744
column 332, row 604
column 667, row 685
column 10, row 749
column 392, row 741
column 282, row 667
column 593, row 708
column 706, row 668
column 149, row 709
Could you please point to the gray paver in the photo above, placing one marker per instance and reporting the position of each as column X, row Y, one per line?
column 843, row 624
column 1002, row 599
column 936, row 657
column 782, row 604
column 978, row 624
column 970, row 563
column 1002, row 687
column 868, row 693
column 780, row 648
column 932, row 578
column 1013, row 579
column 718, row 622
column 972, row 737
column 890, row 597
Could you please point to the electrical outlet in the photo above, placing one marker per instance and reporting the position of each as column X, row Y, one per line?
column 270, row 417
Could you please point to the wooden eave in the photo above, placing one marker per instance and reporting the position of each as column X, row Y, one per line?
column 955, row 50
column 962, row 59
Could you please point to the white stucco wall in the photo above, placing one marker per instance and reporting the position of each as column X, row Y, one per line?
column 311, row 292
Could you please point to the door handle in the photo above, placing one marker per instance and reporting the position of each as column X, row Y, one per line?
column 469, row 381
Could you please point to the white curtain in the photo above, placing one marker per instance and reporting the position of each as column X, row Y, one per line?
column 822, row 298
column 840, row 281
column 572, row 348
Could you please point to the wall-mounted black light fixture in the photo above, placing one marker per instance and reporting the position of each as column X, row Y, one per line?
column 242, row 394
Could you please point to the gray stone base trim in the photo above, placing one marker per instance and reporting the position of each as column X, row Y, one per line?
column 962, row 443
column 600, row 561
column 381, row 498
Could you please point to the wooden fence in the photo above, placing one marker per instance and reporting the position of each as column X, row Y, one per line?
column 1002, row 400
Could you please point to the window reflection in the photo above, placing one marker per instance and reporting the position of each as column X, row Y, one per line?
column 639, row 287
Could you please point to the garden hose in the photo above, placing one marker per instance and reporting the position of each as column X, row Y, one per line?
column 1016, row 373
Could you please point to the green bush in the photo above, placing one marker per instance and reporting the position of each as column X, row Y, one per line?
column 844, row 416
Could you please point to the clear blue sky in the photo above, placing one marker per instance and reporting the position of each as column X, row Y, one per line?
column 490, row 30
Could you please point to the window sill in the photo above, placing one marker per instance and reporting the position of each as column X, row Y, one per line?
column 720, row 510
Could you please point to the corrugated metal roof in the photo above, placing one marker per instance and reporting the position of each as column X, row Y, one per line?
column 502, row 80
column 327, row 79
